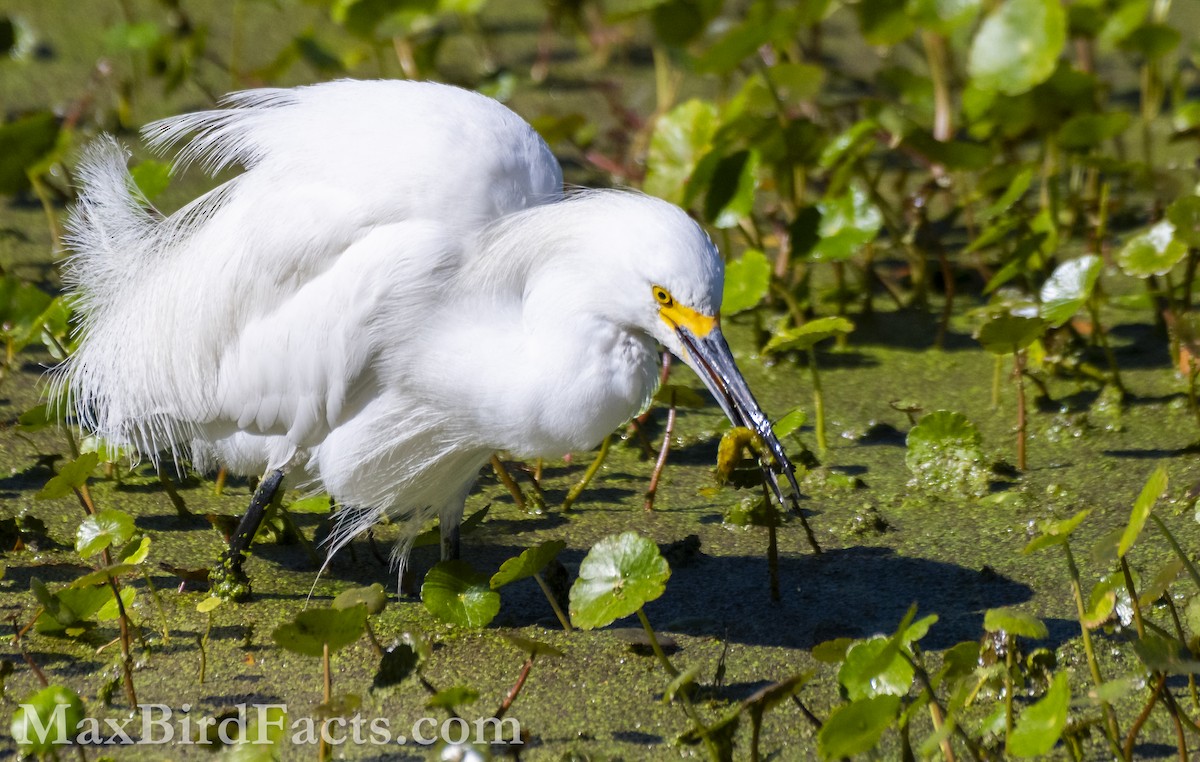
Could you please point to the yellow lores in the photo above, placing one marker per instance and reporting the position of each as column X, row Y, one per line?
column 680, row 316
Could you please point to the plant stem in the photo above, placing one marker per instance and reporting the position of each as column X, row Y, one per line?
column 323, row 750
column 1133, row 598
column 512, row 693
column 1187, row 562
column 588, row 475
column 1019, row 372
column 1110, row 718
column 818, row 401
column 662, row 657
column 558, row 612
column 162, row 613
column 1144, row 715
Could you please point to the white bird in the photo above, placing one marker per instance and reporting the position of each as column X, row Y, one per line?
column 392, row 289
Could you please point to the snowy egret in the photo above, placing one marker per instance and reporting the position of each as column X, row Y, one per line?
column 393, row 288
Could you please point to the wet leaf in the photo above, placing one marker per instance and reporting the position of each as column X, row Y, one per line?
column 70, row 606
column 109, row 611
column 209, row 604
column 945, row 454
column 531, row 646
column 372, row 596
column 40, row 416
column 1041, row 725
column 808, row 335
column 681, row 682
column 396, row 664
column 619, row 575
column 747, row 279
column 103, row 574
column 1100, row 606
column 1006, row 334
column 1161, row 583
column 849, row 222
column 856, row 727
column 530, row 562
column 1163, row 655
column 832, row 651
column 1014, row 622
column 943, row 16
column 1055, row 532
column 791, row 421
column 52, row 714
column 1153, row 252
column 151, row 177
column 731, row 188
column 679, row 396
column 681, row 137
column 308, row 633
column 863, row 676
column 1086, row 131
column 1184, row 214
column 135, row 551
column 23, row 144
column 456, row 593
column 107, row 527
column 1018, row 45
column 70, row 477
column 1152, row 492
column 1068, row 288
column 455, row 696
column 318, row 504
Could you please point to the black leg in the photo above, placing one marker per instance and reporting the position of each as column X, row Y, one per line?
column 451, row 545
column 228, row 579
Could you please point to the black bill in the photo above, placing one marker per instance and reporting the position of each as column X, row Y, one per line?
column 713, row 361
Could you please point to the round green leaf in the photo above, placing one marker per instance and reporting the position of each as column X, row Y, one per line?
column 104, row 528
column 863, row 676
column 530, row 562
column 730, row 196
column 1085, row 131
column 747, row 279
column 1006, row 334
column 1154, row 252
column 1068, row 288
column 848, row 222
column 681, row 137
column 71, row 476
column 1056, row 532
column 1014, row 622
column 309, row 632
column 856, row 727
column 1018, row 45
column 1041, row 725
column 791, row 421
column 808, row 335
column 52, row 714
column 1184, row 214
column 456, row 593
column 372, row 596
column 531, row 646
column 619, row 575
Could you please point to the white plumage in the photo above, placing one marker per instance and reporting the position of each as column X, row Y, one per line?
column 392, row 289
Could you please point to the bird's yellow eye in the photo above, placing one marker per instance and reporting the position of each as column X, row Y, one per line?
column 663, row 296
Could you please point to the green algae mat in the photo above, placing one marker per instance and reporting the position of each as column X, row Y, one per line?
column 962, row 244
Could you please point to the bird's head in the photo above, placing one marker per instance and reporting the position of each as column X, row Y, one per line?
column 670, row 287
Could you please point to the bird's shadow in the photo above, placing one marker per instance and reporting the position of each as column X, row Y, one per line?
column 853, row 592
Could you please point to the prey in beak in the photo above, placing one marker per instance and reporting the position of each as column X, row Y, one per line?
column 709, row 355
